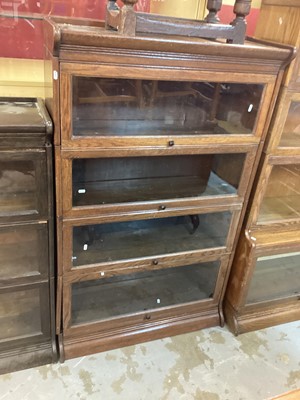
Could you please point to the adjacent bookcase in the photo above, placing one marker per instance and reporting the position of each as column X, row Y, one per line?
column 27, row 328
column 267, row 261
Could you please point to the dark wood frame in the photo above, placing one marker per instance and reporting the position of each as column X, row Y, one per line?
column 32, row 143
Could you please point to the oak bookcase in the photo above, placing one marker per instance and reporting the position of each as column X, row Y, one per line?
column 157, row 140
column 264, row 286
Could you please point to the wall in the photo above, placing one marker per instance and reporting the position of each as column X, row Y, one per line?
column 21, row 37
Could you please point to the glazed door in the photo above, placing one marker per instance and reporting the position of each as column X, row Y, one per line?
column 163, row 108
column 275, row 277
column 154, row 243
column 93, row 185
column 23, row 253
column 24, row 315
column 281, row 197
column 141, row 297
column 23, row 187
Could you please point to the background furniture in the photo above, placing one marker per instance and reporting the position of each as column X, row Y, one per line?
column 156, row 144
column 27, row 334
column 127, row 21
column 264, row 287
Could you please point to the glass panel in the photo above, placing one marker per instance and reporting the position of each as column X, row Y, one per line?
column 127, row 294
column 105, row 107
column 116, row 180
column 291, row 131
column 17, row 188
column 126, row 240
column 20, row 314
column 22, row 251
column 282, row 197
column 275, row 277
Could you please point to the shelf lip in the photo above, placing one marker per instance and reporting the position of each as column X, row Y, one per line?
column 123, row 147
column 128, row 266
column 185, row 205
column 205, row 306
column 96, row 218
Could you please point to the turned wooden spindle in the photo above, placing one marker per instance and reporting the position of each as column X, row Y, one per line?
column 126, row 21
column 213, row 6
column 241, row 9
column 128, row 18
column 112, row 5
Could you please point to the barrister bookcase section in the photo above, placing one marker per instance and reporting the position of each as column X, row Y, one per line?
column 267, row 257
column 154, row 158
column 27, row 336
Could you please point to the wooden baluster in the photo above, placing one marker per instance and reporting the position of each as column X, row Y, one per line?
column 111, row 6
column 128, row 18
column 241, row 9
column 213, row 6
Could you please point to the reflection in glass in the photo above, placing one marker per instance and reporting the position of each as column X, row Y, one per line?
column 116, row 180
column 20, row 314
column 22, row 250
column 17, row 188
column 127, row 294
column 275, row 277
column 291, row 131
column 282, row 197
column 133, row 239
column 128, row 107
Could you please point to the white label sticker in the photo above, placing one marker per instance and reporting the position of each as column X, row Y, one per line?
column 85, row 247
column 55, row 75
column 81, row 191
column 158, row 301
column 250, row 108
